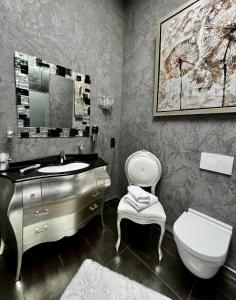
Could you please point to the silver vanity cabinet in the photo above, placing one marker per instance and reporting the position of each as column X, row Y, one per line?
column 47, row 209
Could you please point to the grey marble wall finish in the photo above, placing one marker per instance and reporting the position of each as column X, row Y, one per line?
column 177, row 141
column 85, row 36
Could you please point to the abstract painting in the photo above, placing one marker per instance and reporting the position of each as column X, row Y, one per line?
column 196, row 59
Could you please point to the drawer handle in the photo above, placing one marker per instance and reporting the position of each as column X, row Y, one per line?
column 93, row 207
column 41, row 212
column 95, row 194
column 40, row 229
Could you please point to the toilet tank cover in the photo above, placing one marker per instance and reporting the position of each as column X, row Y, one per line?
column 202, row 236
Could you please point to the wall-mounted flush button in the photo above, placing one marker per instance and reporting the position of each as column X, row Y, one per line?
column 217, row 163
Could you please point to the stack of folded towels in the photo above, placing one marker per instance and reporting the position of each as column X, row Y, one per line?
column 138, row 198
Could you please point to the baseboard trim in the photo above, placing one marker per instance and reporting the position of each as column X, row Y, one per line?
column 229, row 272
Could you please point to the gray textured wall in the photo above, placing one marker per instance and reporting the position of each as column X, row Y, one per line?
column 86, row 36
column 177, row 141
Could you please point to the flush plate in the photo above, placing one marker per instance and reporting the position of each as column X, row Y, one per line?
column 217, row 163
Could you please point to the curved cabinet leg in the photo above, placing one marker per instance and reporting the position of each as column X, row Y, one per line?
column 2, row 247
column 119, row 233
column 102, row 214
column 160, row 240
column 19, row 261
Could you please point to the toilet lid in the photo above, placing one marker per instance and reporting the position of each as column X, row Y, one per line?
column 203, row 238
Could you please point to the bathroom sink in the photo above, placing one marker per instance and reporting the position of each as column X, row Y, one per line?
column 63, row 168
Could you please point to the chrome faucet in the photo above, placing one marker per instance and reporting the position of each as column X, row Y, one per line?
column 62, row 157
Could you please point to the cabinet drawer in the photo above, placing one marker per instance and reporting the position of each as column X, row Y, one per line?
column 64, row 207
column 92, row 209
column 57, row 228
column 57, row 189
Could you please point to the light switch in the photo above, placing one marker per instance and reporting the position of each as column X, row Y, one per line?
column 217, row 163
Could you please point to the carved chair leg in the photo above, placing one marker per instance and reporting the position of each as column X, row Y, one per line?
column 160, row 240
column 119, row 233
column 102, row 220
column 2, row 247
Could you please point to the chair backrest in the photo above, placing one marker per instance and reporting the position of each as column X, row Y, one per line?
column 144, row 169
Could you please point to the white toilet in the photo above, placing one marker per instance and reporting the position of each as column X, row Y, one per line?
column 202, row 242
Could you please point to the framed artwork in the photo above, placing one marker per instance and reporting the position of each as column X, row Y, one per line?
column 196, row 59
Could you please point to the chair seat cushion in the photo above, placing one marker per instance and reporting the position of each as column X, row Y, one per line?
column 154, row 211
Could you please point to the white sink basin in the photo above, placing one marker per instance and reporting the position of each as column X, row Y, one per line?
column 63, row 168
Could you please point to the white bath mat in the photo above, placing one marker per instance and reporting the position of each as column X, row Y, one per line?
column 95, row 282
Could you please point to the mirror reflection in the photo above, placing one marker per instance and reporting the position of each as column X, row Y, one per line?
column 39, row 109
column 60, row 111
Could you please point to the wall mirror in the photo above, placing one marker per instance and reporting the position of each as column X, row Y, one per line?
column 52, row 101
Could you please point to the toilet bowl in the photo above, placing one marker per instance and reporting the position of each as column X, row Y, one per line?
column 202, row 242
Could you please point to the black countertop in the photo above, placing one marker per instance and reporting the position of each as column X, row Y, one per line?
column 14, row 174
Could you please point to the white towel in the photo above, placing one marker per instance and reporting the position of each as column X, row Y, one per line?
column 139, row 194
column 129, row 199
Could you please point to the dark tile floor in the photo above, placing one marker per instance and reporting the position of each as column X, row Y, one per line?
column 48, row 268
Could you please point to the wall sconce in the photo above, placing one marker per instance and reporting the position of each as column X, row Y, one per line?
column 10, row 133
column 106, row 103
column 80, row 148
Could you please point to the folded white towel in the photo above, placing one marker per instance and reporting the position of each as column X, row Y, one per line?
column 139, row 194
column 143, row 201
column 129, row 199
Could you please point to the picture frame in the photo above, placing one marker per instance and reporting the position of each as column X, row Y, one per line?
column 164, row 107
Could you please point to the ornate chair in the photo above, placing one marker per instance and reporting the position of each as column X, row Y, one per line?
column 144, row 169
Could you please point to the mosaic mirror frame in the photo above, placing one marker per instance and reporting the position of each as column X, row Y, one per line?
column 195, row 69
column 81, row 98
